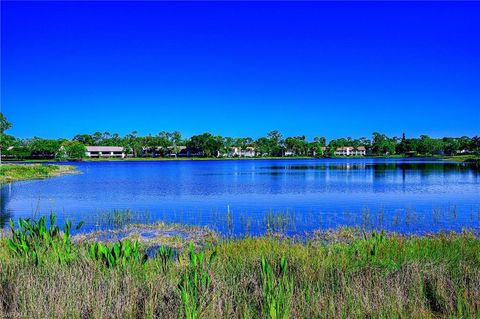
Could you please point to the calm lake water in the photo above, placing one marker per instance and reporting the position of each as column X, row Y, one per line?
column 251, row 196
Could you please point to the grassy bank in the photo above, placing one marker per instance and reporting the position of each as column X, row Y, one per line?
column 16, row 172
column 341, row 274
column 463, row 158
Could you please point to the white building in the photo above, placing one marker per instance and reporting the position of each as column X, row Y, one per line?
column 350, row 151
column 238, row 152
column 105, row 151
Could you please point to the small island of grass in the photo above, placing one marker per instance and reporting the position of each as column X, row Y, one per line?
column 16, row 172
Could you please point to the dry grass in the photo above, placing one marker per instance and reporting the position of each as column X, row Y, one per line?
column 349, row 277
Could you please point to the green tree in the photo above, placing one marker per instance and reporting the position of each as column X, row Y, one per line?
column 450, row 145
column 464, row 143
column 320, row 141
column 206, row 144
column 97, row 138
column 318, row 146
column 428, row 145
column 44, row 148
column 475, row 144
column 4, row 123
column 276, row 143
column 5, row 140
column 298, row 145
column 85, row 139
column 72, row 150
column 382, row 144
column 176, row 139
column 133, row 144
column 227, row 144
column 164, row 143
column 263, row 146
column 111, row 139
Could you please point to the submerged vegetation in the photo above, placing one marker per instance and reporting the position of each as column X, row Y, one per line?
column 345, row 273
column 16, row 172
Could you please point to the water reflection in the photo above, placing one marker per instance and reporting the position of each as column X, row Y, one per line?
column 5, row 191
column 378, row 168
column 312, row 193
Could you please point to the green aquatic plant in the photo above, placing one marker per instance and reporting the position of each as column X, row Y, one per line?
column 195, row 285
column 33, row 239
column 373, row 241
column 120, row 253
column 345, row 273
column 277, row 290
column 229, row 221
column 279, row 222
column 119, row 218
column 164, row 256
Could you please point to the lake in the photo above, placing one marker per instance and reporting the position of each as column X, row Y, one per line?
column 240, row 197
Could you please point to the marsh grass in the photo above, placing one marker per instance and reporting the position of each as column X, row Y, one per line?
column 119, row 218
column 16, row 172
column 279, row 221
column 287, row 222
column 346, row 273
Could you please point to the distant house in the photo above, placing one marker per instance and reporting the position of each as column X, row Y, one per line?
column 151, row 151
column 7, row 154
column 179, row 149
column 350, row 151
column 105, row 151
column 238, row 152
column 162, row 151
column 185, row 151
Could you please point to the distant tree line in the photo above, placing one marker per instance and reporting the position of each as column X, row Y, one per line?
column 209, row 145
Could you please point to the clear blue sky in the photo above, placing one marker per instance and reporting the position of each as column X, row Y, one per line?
column 241, row 69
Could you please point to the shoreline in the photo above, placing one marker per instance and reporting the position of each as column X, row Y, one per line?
column 460, row 159
column 178, row 236
column 13, row 172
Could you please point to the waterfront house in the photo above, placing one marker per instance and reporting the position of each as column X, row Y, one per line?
column 174, row 151
column 159, row 151
column 239, row 152
column 105, row 151
column 185, row 151
column 351, row 151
